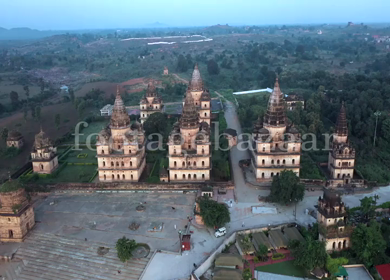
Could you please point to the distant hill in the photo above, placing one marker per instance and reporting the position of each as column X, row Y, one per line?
column 24, row 33
column 156, row 25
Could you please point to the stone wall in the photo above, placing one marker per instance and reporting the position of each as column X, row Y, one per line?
column 13, row 228
column 9, row 199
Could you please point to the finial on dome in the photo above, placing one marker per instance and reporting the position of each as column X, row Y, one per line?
column 117, row 90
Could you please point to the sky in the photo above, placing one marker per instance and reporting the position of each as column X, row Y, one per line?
column 101, row 14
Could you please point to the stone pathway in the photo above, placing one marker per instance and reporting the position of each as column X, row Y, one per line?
column 48, row 257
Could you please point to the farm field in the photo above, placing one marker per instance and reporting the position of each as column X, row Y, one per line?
column 7, row 86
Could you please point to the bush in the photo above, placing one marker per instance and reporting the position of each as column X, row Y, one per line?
column 278, row 256
column 125, row 247
column 256, row 259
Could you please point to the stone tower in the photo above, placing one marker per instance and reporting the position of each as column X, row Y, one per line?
column 16, row 213
column 150, row 103
column 44, row 155
column 120, row 147
column 276, row 146
column 341, row 162
column 332, row 221
column 201, row 96
column 189, row 145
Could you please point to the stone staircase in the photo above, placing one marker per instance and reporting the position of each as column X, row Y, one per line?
column 48, row 257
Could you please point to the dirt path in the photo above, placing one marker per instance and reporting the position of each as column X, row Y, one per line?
column 180, row 78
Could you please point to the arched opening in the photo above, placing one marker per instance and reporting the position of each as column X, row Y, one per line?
column 10, row 234
column 338, row 175
column 123, row 164
column 118, row 176
column 174, row 164
column 202, row 151
column 293, row 161
column 272, row 161
column 103, row 152
column 183, row 164
column 131, row 163
column 194, row 176
column 339, row 246
column 175, row 176
column 272, row 174
column 189, row 176
column 205, row 105
column 112, row 164
column 194, row 163
column 293, row 149
column 345, row 244
column 105, row 177
column 263, row 149
column 174, row 151
column 205, row 114
column 104, row 163
column 41, row 166
column 334, row 245
column 123, row 176
column 202, row 163
column 117, row 164
column 202, row 176
column 188, row 163
column 262, row 175
column 184, row 176
column 263, row 161
column 131, row 176
column 113, row 177
column 278, row 162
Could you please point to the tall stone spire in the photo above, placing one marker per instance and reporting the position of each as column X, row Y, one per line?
column 119, row 118
column 151, row 90
column 196, row 83
column 189, row 117
column 341, row 124
column 276, row 111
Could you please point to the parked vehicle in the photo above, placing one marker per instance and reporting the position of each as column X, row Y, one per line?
column 220, row 232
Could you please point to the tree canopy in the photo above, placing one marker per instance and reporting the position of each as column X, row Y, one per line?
column 368, row 243
column 309, row 254
column 286, row 188
column 214, row 214
column 125, row 247
column 332, row 265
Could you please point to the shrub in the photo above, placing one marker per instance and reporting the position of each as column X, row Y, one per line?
column 256, row 259
column 278, row 256
column 125, row 247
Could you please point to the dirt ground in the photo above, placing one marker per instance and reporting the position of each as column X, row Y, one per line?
column 69, row 118
column 7, row 86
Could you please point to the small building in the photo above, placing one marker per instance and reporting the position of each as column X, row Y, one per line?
column 64, row 89
column 16, row 213
column 44, row 155
column 292, row 101
column 259, row 238
column 231, row 136
column 151, row 103
column 15, row 139
column 165, row 73
column 277, row 239
column 106, row 111
column 230, row 261
column 244, row 245
column 207, row 191
column 384, row 271
column 227, row 274
column 292, row 233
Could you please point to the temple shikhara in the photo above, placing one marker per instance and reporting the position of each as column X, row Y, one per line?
column 341, row 161
column 332, row 222
column 201, row 96
column 150, row 103
column 276, row 146
column 189, row 145
column 121, row 147
column 44, row 155
column 16, row 213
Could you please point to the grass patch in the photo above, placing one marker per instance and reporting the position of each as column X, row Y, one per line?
column 309, row 169
column 71, row 174
column 285, row 268
column 73, row 156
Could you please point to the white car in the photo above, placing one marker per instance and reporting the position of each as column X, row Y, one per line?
column 220, row 232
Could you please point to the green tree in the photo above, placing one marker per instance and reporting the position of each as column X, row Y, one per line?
column 262, row 252
column 156, row 123
column 182, row 64
column 38, row 112
column 214, row 214
column 368, row 243
column 309, row 254
column 71, row 95
column 286, row 188
column 4, row 134
column 212, row 67
column 367, row 204
column 125, row 247
column 27, row 90
column 247, row 274
column 332, row 265
column 57, row 120
column 14, row 96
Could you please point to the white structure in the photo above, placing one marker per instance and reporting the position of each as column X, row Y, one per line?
column 106, row 110
column 253, row 91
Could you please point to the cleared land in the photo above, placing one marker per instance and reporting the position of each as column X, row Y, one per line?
column 285, row 268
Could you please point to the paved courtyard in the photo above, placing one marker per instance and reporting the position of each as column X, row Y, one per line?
column 106, row 217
